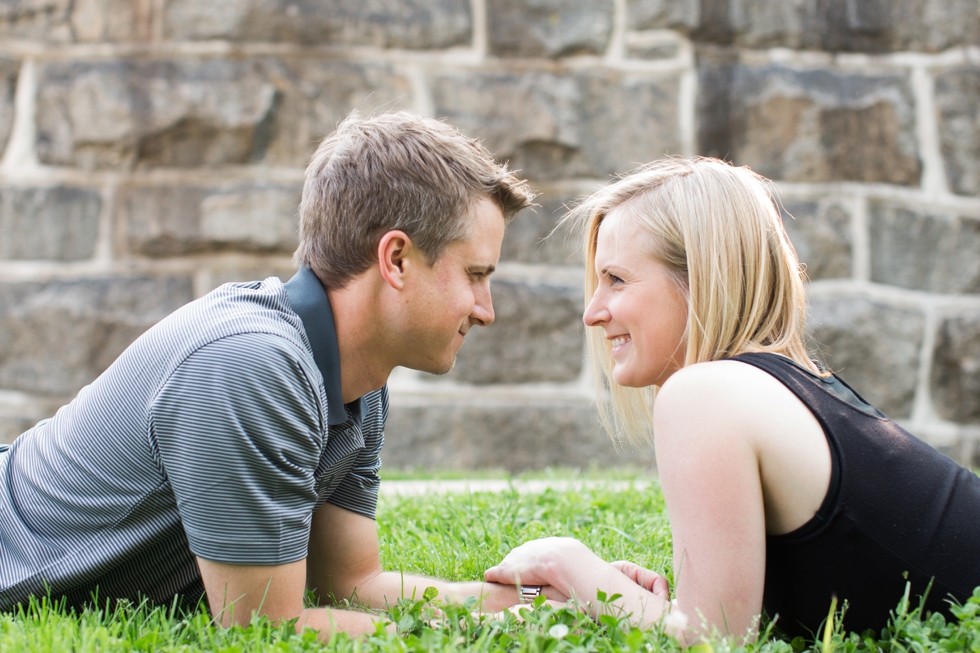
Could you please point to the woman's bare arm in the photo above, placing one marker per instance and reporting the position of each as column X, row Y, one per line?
column 709, row 471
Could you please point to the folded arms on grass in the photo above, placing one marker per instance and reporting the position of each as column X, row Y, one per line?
column 343, row 562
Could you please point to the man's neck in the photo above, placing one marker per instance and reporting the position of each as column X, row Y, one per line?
column 364, row 365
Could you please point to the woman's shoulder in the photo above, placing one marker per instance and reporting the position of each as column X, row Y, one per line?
column 725, row 392
column 721, row 379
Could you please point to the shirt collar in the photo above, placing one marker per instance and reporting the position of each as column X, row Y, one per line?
column 309, row 300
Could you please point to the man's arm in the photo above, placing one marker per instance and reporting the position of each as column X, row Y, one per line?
column 236, row 592
column 344, row 562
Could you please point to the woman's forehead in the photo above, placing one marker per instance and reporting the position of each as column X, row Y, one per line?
column 619, row 228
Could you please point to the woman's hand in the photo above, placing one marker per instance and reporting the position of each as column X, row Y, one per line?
column 547, row 561
column 649, row 580
column 574, row 571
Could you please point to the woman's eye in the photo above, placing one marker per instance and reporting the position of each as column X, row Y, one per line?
column 614, row 279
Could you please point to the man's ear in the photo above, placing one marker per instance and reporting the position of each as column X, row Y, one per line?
column 393, row 250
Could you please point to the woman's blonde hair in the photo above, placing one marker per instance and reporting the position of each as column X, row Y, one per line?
column 717, row 230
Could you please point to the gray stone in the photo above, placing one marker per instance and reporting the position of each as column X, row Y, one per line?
column 537, row 335
column 511, row 434
column 57, row 336
column 11, row 427
column 9, row 70
column 413, row 24
column 49, row 223
column 889, row 25
column 255, row 271
column 874, row 26
column 552, row 126
column 200, row 112
column 663, row 50
column 79, row 21
column 821, row 234
column 924, row 250
column 319, row 93
column 549, row 28
column 157, row 113
column 956, row 368
column 20, row 412
column 753, row 23
column 42, row 20
column 872, row 346
column 531, row 237
column 176, row 220
column 810, row 125
column 681, row 15
column 958, row 103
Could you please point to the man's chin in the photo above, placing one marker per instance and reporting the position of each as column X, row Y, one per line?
column 438, row 367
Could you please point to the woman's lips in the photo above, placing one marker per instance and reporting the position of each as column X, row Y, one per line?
column 619, row 343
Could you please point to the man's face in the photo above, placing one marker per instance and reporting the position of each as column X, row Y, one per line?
column 454, row 294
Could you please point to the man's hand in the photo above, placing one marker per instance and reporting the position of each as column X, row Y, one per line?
column 344, row 563
column 649, row 580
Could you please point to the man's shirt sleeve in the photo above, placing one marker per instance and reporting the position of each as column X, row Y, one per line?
column 237, row 429
column 358, row 491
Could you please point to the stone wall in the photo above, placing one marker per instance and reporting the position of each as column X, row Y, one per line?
column 154, row 149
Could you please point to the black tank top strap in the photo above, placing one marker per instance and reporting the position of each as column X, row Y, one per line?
column 812, row 390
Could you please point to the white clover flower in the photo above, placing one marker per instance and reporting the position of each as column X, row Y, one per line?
column 675, row 623
column 558, row 631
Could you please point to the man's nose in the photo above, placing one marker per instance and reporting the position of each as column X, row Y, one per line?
column 483, row 309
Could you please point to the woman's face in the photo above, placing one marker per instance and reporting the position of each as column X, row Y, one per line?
column 638, row 306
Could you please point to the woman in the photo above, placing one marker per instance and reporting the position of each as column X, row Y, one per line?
column 783, row 486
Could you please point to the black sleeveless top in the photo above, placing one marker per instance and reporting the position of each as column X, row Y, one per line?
column 896, row 511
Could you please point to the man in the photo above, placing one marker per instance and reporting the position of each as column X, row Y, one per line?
column 234, row 447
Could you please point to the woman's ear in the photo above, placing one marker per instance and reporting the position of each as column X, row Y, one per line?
column 393, row 250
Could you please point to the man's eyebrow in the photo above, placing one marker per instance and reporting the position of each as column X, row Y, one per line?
column 484, row 270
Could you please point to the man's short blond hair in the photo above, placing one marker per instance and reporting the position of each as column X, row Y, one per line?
column 394, row 171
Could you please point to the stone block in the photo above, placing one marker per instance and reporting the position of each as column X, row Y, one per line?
column 410, row 24
column 39, row 20
column 871, row 345
column 531, row 237
column 652, row 50
column 20, row 412
column 821, row 234
column 514, row 434
column 810, row 125
column 924, row 250
column 874, row 26
column 681, row 15
column 57, row 336
column 889, row 25
column 200, row 112
column 957, row 93
column 58, row 223
column 11, row 427
column 9, row 70
column 75, row 21
column 537, row 335
column 551, row 125
column 154, row 113
column 177, row 220
column 319, row 93
column 956, row 368
column 253, row 271
column 549, row 28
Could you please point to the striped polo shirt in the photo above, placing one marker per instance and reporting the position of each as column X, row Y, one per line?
column 217, row 434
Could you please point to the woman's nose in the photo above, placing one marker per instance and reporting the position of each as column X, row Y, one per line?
column 596, row 312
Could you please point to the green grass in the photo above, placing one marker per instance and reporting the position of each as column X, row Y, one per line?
column 549, row 473
column 457, row 537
